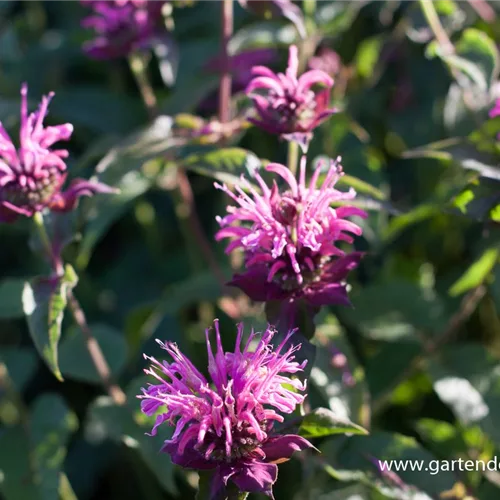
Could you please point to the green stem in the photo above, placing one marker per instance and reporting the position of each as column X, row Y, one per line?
column 138, row 67
column 293, row 156
column 47, row 245
column 437, row 28
column 310, row 8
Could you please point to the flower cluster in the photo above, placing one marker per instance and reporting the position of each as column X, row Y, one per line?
column 290, row 237
column 226, row 424
column 32, row 176
column 122, row 26
column 288, row 105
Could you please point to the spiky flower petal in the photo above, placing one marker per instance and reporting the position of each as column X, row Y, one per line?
column 226, row 423
column 32, row 175
column 286, row 104
column 290, row 236
column 122, row 26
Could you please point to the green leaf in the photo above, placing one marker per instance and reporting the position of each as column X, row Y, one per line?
column 356, row 457
column 263, row 34
column 44, row 302
column 127, row 167
column 11, row 291
column 225, row 165
column 336, row 17
column 122, row 425
column 322, row 422
column 476, row 273
column 342, row 389
column 204, row 485
column 476, row 46
column 395, row 309
column 15, row 468
column 31, row 463
column 21, row 364
column 362, row 187
column 200, row 287
column 51, row 426
column 461, row 152
column 466, row 378
column 86, row 105
column 75, row 361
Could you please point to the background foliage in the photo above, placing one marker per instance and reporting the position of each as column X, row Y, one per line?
column 423, row 339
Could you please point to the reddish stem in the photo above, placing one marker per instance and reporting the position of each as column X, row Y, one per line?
column 225, row 79
column 95, row 352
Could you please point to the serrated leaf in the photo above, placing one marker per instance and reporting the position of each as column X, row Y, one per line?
column 44, row 302
column 323, row 422
column 476, row 273
column 11, row 291
column 75, row 361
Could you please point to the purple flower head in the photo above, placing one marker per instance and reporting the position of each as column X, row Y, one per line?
column 289, row 237
column 276, row 8
column 122, row 26
column 32, row 175
column 286, row 104
column 226, row 424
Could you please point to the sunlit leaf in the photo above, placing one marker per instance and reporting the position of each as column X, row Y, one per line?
column 44, row 302
column 322, row 422
column 476, row 273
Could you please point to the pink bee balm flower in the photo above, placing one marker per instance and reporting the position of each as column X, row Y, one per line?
column 287, row 105
column 31, row 176
column 122, row 26
column 289, row 237
column 226, row 424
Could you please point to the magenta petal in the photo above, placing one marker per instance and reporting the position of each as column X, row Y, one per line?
column 283, row 447
column 63, row 202
column 340, row 268
column 327, row 295
column 7, row 215
column 256, row 477
column 190, row 459
column 254, row 283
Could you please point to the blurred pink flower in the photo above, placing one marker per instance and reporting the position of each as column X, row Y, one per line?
column 122, row 26
column 31, row 176
column 495, row 111
column 288, row 105
column 326, row 60
column 289, row 237
column 226, row 424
